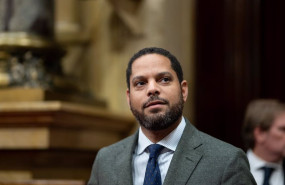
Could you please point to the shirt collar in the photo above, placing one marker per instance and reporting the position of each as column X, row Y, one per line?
column 170, row 141
column 256, row 163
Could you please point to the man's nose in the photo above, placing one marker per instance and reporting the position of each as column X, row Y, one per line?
column 153, row 88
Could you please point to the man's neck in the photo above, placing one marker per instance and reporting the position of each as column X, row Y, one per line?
column 156, row 136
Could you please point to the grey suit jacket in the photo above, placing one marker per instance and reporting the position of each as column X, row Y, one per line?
column 199, row 159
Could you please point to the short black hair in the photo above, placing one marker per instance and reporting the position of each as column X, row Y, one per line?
column 175, row 65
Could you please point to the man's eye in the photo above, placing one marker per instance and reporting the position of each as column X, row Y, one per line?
column 137, row 84
column 165, row 79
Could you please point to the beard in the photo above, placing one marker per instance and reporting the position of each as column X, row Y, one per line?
column 159, row 120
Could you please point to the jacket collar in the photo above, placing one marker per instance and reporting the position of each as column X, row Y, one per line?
column 186, row 157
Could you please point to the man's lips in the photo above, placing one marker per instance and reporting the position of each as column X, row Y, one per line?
column 153, row 103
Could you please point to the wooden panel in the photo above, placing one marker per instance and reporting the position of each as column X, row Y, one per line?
column 54, row 139
column 273, row 47
column 46, row 164
column 21, row 138
column 44, row 124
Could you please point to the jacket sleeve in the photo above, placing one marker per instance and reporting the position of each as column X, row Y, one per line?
column 93, row 180
column 237, row 171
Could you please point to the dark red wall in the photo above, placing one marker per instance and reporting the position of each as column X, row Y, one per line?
column 239, row 57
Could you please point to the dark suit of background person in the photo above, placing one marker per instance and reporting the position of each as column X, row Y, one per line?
column 264, row 136
column 156, row 93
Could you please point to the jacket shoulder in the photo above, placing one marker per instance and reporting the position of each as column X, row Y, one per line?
column 113, row 149
column 216, row 145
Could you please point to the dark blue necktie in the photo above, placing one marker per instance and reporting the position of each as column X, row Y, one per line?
column 152, row 173
column 267, row 173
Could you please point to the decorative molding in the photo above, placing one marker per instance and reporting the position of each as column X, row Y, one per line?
column 56, row 124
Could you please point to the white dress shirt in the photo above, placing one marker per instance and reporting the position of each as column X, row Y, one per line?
column 256, row 163
column 141, row 153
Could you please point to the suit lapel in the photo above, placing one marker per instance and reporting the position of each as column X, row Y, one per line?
column 124, row 162
column 185, row 158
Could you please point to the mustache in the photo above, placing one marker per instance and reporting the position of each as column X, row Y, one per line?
column 155, row 98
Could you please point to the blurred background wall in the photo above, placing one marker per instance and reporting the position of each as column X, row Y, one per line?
column 239, row 57
column 114, row 31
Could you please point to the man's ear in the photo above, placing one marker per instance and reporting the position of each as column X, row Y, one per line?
column 259, row 135
column 128, row 96
column 184, row 90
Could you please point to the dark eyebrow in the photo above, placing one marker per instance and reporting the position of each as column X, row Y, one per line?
column 137, row 77
column 165, row 73
column 159, row 75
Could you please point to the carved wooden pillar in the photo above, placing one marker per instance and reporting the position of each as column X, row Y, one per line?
column 49, row 128
column 30, row 56
column 241, row 63
column 272, row 52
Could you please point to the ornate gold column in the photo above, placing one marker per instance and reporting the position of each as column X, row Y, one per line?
column 49, row 128
column 30, row 57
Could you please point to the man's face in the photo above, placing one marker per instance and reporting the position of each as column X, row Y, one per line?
column 274, row 138
column 156, row 97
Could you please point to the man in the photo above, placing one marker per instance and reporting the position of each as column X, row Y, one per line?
column 264, row 136
column 156, row 94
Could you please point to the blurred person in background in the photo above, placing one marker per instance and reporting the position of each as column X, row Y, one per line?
column 264, row 137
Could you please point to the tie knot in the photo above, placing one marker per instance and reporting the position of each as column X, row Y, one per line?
column 154, row 150
column 268, row 170
column 267, row 173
